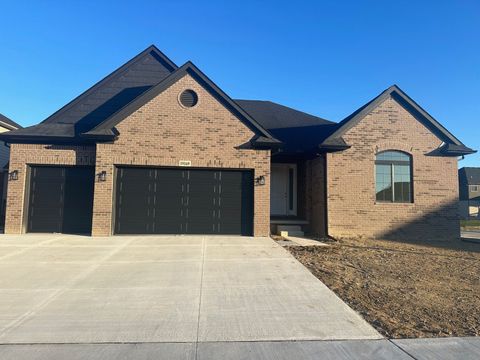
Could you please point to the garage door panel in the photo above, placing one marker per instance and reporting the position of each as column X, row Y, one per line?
column 133, row 210
column 46, row 199
column 78, row 200
column 237, row 202
column 168, row 188
column 201, row 192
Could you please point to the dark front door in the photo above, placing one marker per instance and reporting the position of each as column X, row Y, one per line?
column 183, row 201
column 61, row 199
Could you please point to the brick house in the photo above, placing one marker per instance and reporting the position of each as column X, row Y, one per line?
column 469, row 186
column 154, row 148
column 6, row 124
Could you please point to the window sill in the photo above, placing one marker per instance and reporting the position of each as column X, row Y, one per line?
column 393, row 203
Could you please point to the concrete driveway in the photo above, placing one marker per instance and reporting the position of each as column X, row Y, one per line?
column 163, row 289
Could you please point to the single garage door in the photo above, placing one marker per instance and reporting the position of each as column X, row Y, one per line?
column 183, row 201
column 61, row 199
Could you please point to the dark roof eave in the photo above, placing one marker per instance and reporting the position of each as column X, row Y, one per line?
column 266, row 143
column 98, row 137
column 44, row 140
column 102, row 135
column 334, row 148
column 465, row 152
column 449, row 149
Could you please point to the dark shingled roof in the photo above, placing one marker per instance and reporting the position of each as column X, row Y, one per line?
column 303, row 139
column 8, row 123
column 298, row 131
column 102, row 100
column 275, row 116
column 471, row 175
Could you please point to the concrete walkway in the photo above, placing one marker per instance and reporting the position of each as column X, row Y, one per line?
column 472, row 235
column 441, row 348
column 420, row 349
column 163, row 289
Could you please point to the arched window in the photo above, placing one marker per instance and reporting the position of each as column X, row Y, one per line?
column 393, row 177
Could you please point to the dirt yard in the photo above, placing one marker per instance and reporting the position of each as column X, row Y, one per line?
column 403, row 290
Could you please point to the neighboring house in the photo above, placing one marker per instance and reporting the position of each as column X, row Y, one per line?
column 155, row 148
column 469, row 185
column 5, row 125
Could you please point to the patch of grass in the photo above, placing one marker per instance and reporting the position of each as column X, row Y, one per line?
column 470, row 223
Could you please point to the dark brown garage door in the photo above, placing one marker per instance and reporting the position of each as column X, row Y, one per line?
column 61, row 199
column 181, row 201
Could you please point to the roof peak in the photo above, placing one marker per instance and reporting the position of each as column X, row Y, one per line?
column 410, row 105
column 158, row 52
column 188, row 68
column 152, row 50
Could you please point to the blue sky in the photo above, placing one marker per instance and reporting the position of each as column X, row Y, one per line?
column 323, row 57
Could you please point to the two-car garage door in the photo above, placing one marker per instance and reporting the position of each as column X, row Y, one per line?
column 183, row 201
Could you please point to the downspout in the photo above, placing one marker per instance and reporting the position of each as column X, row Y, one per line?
column 325, row 193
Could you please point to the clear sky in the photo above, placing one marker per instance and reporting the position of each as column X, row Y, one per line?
column 323, row 57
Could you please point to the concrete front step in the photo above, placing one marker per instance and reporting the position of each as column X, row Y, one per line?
column 291, row 233
column 289, row 230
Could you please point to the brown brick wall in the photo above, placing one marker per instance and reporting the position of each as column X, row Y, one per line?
column 162, row 132
column 316, row 195
column 352, row 210
column 23, row 155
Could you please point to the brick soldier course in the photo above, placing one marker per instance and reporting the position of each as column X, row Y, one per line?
column 134, row 117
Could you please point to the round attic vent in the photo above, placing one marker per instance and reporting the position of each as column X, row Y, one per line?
column 188, row 98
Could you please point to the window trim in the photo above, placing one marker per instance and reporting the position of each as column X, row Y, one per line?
column 392, row 164
column 474, row 188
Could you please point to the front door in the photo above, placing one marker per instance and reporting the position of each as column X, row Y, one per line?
column 283, row 190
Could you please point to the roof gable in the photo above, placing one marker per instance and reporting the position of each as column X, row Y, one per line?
column 452, row 146
column 117, row 89
column 107, row 128
column 101, row 100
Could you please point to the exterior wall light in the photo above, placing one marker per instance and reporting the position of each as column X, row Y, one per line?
column 13, row 175
column 102, row 176
column 260, row 180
